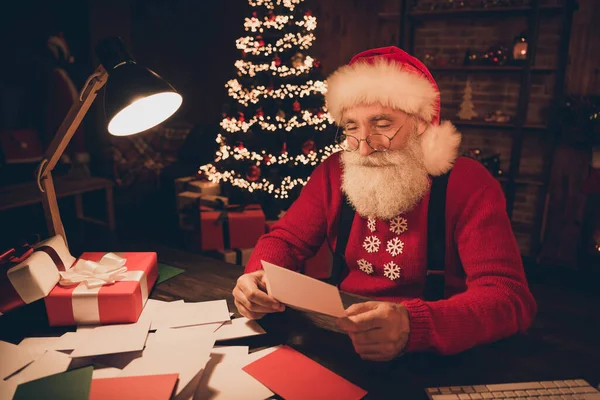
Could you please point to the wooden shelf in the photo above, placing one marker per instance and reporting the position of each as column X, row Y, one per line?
column 495, row 125
column 523, row 180
column 483, row 124
column 522, row 227
column 491, row 68
column 470, row 12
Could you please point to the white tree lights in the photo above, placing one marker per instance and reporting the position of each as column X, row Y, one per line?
column 275, row 128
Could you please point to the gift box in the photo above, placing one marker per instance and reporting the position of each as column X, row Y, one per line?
column 205, row 187
column 244, row 226
column 193, row 200
column 269, row 224
column 181, row 184
column 234, row 256
column 235, row 227
column 114, row 292
column 32, row 275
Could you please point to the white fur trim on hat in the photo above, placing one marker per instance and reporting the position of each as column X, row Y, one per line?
column 385, row 82
column 440, row 147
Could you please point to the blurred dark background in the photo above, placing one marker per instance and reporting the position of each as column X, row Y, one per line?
column 192, row 45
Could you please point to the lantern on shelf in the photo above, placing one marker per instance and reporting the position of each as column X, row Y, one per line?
column 519, row 50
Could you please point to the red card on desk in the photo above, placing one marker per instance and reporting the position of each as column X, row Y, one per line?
column 292, row 375
column 154, row 387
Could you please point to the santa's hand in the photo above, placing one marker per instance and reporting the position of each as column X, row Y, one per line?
column 379, row 330
column 250, row 297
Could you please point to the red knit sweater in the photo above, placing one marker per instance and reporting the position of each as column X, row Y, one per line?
column 487, row 297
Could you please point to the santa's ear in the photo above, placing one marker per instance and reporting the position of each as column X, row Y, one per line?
column 421, row 125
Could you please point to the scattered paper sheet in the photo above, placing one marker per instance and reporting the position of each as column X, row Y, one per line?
column 105, row 372
column 173, row 351
column 187, row 314
column 112, row 339
column 302, row 292
column 238, row 328
column 72, row 385
column 260, row 354
column 7, row 390
column 155, row 387
column 153, row 308
column 192, row 331
column 71, row 340
column 37, row 346
column 86, row 327
column 13, row 358
column 292, row 376
column 52, row 362
column 224, row 379
column 237, row 354
column 120, row 360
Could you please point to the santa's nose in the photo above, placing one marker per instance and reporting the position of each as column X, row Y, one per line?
column 364, row 149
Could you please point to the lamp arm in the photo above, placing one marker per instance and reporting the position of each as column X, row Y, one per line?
column 58, row 145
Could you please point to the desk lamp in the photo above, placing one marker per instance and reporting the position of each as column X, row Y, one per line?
column 135, row 99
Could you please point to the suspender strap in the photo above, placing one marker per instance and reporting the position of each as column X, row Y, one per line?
column 436, row 239
column 344, row 226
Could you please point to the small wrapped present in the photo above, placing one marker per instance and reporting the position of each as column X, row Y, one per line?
column 234, row 227
column 189, row 199
column 31, row 275
column 181, row 184
column 269, row 224
column 204, row 187
column 235, row 256
column 245, row 225
column 103, row 288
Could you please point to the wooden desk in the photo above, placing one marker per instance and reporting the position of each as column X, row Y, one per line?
column 562, row 344
column 25, row 194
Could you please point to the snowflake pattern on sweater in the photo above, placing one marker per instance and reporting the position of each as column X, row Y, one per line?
column 398, row 225
column 392, row 271
column 365, row 266
column 395, row 246
column 371, row 244
column 371, row 224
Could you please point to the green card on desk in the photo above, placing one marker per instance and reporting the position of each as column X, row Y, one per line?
column 70, row 385
column 167, row 272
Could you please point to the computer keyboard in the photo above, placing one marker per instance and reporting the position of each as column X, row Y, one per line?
column 577, row 389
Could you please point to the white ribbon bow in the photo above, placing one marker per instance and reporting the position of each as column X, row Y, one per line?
column 110, row 269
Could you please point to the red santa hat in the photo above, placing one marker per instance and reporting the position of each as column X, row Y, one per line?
column 393, row 78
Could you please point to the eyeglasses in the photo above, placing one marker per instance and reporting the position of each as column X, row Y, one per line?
column 376, row 139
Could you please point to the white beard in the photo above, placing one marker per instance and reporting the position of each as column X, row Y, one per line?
column 383, row 185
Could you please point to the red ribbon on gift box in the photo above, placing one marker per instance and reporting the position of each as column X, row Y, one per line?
column 233, row 226
column 242, row 225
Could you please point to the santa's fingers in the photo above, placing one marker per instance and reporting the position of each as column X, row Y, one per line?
column 378, row 335
column 247, row 313
column 241, row 298
column 376, row 351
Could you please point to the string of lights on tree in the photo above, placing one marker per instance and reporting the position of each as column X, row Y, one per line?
column 275, row 128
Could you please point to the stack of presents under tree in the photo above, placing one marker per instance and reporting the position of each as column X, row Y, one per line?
column 211, row 224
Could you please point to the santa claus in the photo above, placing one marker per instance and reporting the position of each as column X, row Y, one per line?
column 387, row 107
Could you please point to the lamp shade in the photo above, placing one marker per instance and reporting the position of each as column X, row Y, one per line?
column 135, row 98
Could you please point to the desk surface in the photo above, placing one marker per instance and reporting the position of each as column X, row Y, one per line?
column 562, row 343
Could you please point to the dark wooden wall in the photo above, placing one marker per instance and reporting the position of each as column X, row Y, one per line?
column 584, row 59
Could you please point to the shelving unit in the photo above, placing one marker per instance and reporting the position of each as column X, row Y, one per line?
column 408, row 19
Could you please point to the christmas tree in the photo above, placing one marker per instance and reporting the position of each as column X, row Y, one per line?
column 275, row 128
column 467, row 109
